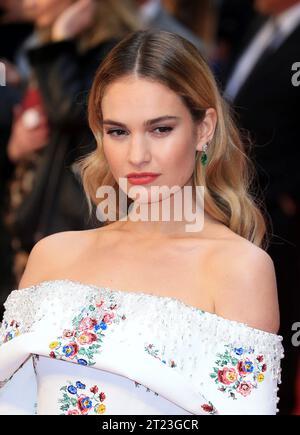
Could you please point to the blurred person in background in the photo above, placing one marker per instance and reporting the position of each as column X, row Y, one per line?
column 266, row 102
column 50, row 127
column 199, row 16
column 154, row 15
column 233, row 20
column 15, row 26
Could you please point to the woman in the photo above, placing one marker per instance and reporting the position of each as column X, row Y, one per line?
column 176, row 321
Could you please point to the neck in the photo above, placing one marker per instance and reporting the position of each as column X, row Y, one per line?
column 178, row 215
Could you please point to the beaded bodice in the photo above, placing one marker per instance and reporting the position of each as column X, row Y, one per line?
column 227, row 366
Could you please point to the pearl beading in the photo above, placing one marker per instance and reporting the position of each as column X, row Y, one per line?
column 177, row 328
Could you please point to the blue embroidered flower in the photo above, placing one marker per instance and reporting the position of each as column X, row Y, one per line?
column 84, row 402
column 84, row 338
column 70, row 349
column 72, row 389
column 81, row 404
column 238, row 351
column 245, row 367
column 103, row 325
column 9, row 336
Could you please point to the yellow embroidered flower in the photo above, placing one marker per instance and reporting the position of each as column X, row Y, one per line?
column 100, row 409
column 54, row 345
column 260, row 377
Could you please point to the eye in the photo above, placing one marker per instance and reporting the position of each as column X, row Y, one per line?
column 117, row 132
column 110, row 132
column 165, row 129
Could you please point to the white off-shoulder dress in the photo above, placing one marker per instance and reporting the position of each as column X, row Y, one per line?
column 73, row 348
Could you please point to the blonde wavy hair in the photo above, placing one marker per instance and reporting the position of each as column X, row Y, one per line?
column 176, row 63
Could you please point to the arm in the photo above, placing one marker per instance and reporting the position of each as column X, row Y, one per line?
column 244, row 368
column 245, row 288
column 49, row 258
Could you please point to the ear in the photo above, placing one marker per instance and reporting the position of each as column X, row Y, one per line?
column 206, row 128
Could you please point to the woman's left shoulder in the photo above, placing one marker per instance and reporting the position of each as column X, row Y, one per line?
column 244, row 284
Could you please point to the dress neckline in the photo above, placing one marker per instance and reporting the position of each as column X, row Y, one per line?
column 155, row 296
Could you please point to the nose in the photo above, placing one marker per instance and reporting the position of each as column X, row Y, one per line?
column 138, row 152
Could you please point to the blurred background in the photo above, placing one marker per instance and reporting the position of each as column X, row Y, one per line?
column 50, row 50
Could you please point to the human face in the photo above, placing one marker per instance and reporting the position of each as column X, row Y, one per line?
column 166, row 147
column 45, row 12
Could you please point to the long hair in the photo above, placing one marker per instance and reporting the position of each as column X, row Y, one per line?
column 176, row 63
column 112, row 19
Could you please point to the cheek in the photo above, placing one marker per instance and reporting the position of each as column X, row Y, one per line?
column 179, row 163
column 115, row 159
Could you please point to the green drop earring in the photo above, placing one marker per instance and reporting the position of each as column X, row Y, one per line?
column 204, row 155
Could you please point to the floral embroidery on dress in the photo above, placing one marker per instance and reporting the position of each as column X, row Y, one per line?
column 76, row 401
column 238, row 371
column 137, row 384
column 11, row 330
column 209, row 408
column 84, row 339
column 154, row 352
column 149, row 348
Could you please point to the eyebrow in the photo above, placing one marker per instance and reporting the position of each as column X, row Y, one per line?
column 145, row 123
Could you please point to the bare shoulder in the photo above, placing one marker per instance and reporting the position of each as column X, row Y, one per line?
column 244, row 284
column 51, row 254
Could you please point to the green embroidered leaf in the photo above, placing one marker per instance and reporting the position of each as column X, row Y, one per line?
column 213, row 375
column 74, row 402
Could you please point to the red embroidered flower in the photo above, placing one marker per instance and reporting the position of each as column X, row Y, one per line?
column 264, row 368
column 245, row 367
column 70, row 350
column 73, row 412
column 260, row 358
column 94, row 389
column 107, row 317
column 52, row 355
column 244, row 388
column 227, row 375
column 67, row 333
column 84, row 404
column 207, row 408
column 102, row 396
column 87, row 323
column 87, row 338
